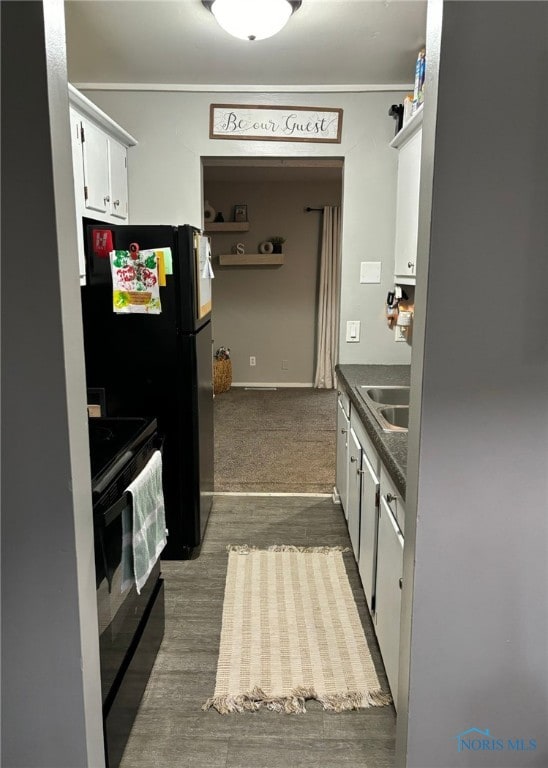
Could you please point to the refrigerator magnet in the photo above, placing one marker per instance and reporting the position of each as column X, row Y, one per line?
column 102, row 242
column 161, row 268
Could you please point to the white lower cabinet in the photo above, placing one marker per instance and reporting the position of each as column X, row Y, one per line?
column 375, row 515
column 354, row 491
column 369, row 508
column 343, row 431
column 388, row 592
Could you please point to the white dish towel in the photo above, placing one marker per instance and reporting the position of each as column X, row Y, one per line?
column 144, row 532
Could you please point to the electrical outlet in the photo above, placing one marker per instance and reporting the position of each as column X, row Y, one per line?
column 252, row 360
column 400, row 333
column 285, row 365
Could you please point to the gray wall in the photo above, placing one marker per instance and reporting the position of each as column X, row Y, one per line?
column 51, row 698
column 165, row 183
column 476, row 613
column 270, row 312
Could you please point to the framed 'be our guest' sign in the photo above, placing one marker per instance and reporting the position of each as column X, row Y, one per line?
column 274, row 123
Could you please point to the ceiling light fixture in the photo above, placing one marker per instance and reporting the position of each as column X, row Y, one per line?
column 252, row 19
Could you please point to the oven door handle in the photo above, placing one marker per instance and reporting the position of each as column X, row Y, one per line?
column 118, row 507
column 116, row 467
column 114, row 511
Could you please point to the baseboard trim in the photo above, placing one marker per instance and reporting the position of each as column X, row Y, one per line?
column 277, row 384
column 273, row 493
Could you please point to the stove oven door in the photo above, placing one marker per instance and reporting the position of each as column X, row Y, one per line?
column 131, row 628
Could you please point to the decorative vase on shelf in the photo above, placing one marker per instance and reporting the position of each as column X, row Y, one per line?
column 209, row 211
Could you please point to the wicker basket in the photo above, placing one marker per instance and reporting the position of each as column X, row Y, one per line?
column 222, row 376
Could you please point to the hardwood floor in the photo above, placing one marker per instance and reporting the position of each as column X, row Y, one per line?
column 172, row 731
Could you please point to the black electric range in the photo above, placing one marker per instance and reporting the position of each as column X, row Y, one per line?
column 131, row 625
column 113, row 444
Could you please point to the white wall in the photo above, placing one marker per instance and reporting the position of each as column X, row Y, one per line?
column 165, row 183
column 51, row 688
column 270, row 311
column 475, row 609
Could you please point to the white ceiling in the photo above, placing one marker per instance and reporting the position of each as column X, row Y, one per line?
column 325, row 43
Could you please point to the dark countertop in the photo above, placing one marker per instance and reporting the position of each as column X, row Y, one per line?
column 392, row 446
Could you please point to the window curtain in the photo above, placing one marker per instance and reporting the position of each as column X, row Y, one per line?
column 327, row 345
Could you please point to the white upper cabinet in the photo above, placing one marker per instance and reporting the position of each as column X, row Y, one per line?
column 99, row 158
column 78, row 171
column 96, row 168
column 409, row 144
column 118, row 180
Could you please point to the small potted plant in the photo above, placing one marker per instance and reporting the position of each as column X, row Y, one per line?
column 277, row 243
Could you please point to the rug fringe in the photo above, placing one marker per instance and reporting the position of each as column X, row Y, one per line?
column 245, row 549
column 294, row 703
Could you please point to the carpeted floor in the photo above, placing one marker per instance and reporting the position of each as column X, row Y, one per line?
column 275, row 440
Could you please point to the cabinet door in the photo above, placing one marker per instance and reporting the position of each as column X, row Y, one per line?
column 96, row 175
column 407, row 207
column 367, row 563
column 118, row 179
column 343, row 428
column 388, row 593
column 354, row 488
column 78, row 174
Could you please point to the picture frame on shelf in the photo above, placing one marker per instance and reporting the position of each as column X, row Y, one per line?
column 240, row 212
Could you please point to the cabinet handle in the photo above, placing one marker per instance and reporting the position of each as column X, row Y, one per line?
column 353, row 458
column 116, row 203
column 390, row 498
column 106, row 198
column 360, row 471
column 401, row 583
column 410, row 264
column 344, row 431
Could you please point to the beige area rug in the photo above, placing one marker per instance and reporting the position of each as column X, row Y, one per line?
column 291, row 632
column 275, row 440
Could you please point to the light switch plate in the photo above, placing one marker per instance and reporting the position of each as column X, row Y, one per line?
column 400, row 333
column 352, row 330
column 370, row 272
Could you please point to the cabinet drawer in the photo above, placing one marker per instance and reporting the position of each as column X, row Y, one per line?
column 393, row 498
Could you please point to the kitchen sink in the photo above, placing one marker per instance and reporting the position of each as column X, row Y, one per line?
column 388, row 404
column 387, row 395
column 396, row 417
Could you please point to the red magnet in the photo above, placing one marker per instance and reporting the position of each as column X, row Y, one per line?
column 134, row 250
column 102, row 242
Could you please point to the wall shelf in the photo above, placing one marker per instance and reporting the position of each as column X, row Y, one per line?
column 226, row 226
column 250, row 259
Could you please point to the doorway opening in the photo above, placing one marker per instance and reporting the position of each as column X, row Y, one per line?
column 275, row 433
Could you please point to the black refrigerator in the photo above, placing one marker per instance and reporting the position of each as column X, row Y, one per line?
column 159, row 365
